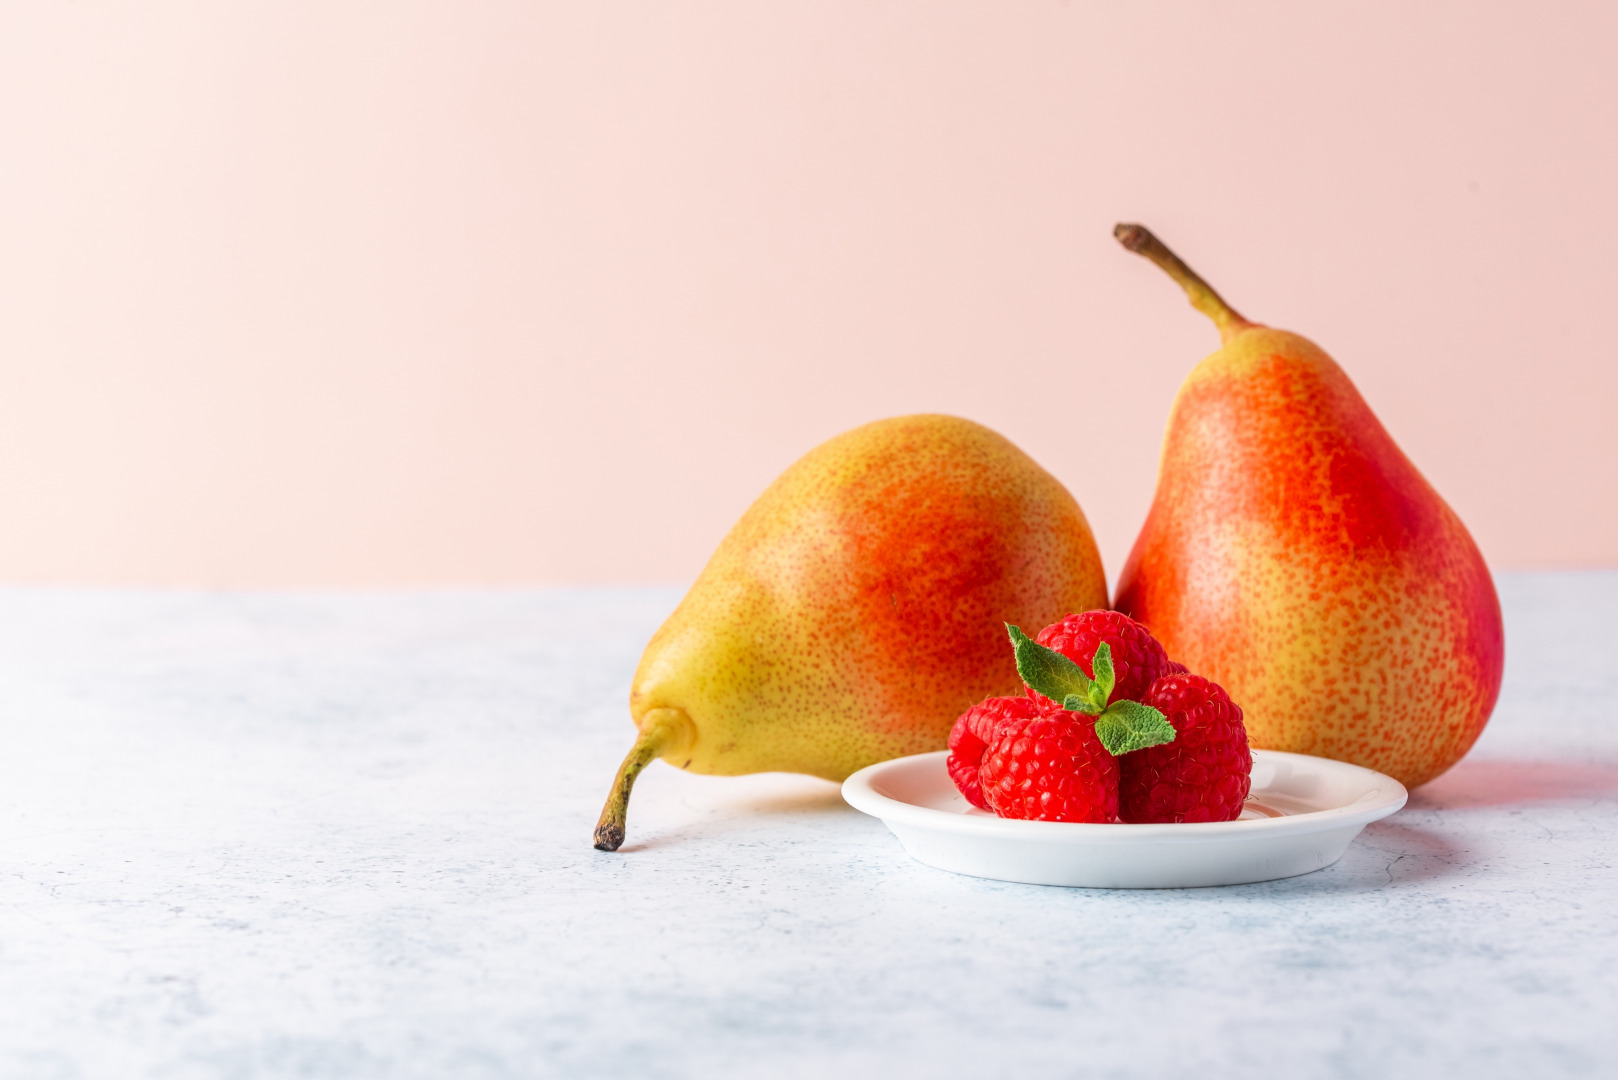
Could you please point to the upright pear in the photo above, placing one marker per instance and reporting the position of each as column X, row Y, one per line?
column 1294, row 555
column 858, row 607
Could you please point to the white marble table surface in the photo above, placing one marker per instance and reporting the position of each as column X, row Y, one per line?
column 348, row 837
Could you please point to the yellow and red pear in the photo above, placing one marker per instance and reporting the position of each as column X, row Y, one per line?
column 858, row 607
column 1294, row 555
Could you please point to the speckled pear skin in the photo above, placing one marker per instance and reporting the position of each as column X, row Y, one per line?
column 856, row 609
column 1295, row 556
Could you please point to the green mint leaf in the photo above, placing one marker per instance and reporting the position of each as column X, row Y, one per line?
column 1129, row 725
column 1075, row 703
column 1101, row 664
column 1048, row 671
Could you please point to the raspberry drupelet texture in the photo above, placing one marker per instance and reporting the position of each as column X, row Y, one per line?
column 1050, row 768
column 1205, row 773
column 975, row 731
column 1137, row 658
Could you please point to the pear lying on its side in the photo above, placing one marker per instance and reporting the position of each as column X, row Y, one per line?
column 858, row 607
column 1294, row 555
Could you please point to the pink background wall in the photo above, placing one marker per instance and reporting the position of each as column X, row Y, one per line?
column 444, row 292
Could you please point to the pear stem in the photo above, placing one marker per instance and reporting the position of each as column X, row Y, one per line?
column 661, row 731
column 1139, row 239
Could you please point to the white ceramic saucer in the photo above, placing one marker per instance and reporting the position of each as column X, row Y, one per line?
column 1303, row 813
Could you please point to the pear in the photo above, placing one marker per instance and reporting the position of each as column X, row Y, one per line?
column 1294, row 555
column 857, row 608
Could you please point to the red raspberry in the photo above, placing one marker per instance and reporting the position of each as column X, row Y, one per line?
column 978, row 728
column 1137, row 658
column 1203, row 775
column 1050, row 768
column 1174, row 667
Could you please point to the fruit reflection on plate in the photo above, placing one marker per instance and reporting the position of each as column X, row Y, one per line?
column 1301, row 816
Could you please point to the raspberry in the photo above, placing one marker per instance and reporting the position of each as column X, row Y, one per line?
column 1137, row 658
column 1174, row 667
column 1203, row 775
column 1050, row 768
column 978, row 728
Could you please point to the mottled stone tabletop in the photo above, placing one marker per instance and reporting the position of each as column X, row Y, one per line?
column 348, row 837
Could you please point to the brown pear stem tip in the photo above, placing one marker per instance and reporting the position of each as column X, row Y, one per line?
column 1139, row 239
column 662, row 730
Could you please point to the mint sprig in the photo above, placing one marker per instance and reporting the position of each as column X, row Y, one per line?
column 1122, row 726
column 1129, row 725
column 1057, row 677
